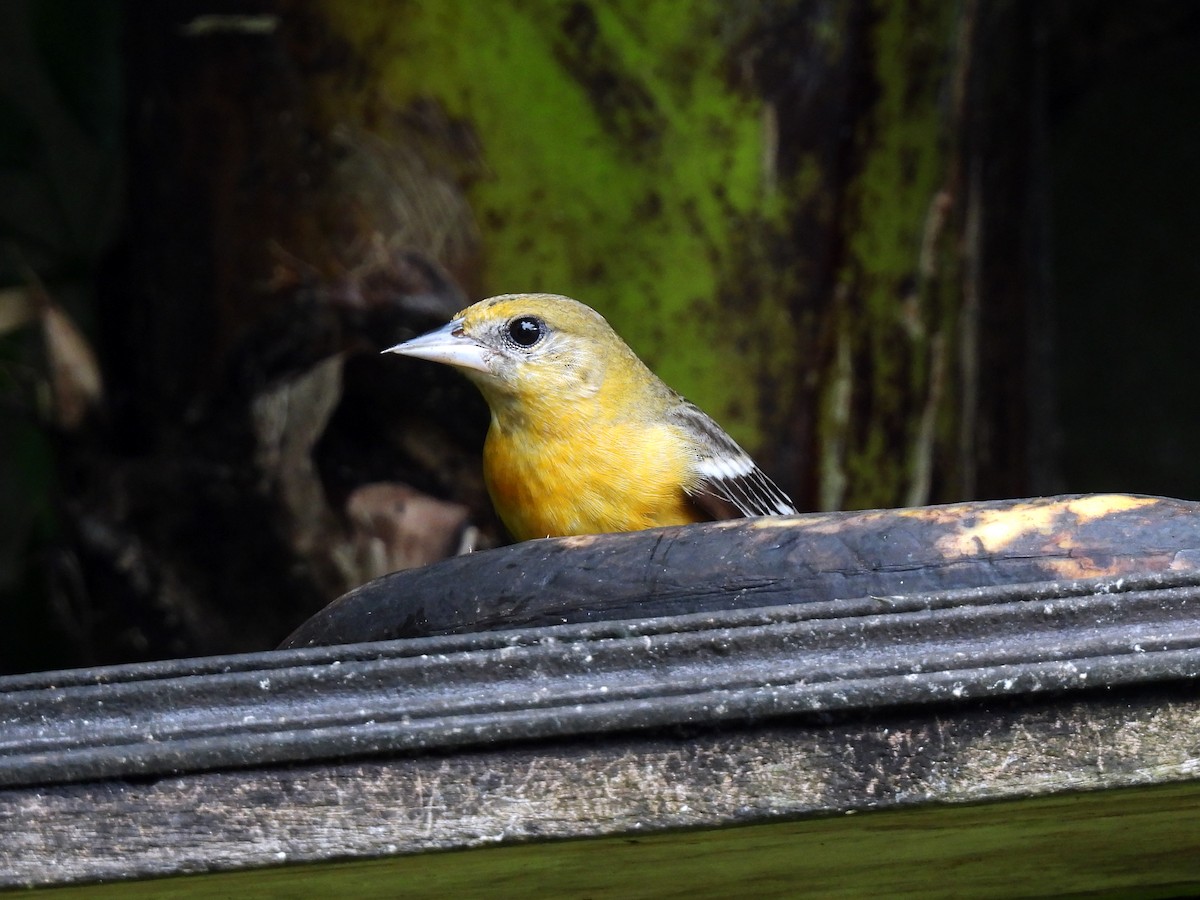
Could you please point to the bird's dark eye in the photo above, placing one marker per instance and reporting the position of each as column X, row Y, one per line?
column 525, row 331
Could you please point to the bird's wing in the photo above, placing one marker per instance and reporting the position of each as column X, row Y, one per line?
column 731, row 485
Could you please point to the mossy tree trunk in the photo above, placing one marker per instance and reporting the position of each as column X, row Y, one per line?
column 785, row 208
column 788, row 209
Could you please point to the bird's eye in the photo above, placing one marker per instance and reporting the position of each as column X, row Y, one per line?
column 525, row 331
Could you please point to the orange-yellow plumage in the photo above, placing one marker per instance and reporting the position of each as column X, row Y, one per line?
column 584, row 438
column 620, row 478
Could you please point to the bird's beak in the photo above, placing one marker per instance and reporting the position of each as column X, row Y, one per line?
column 449, row 345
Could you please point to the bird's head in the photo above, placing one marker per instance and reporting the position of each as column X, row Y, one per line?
column 525, row 346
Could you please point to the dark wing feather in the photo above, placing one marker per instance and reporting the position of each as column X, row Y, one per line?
column 731, row 484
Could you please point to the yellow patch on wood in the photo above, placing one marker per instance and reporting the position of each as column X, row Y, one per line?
column 1069, row 568
column 1097, row 506
column 993, row 531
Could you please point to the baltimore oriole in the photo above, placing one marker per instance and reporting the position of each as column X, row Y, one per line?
column 584, row 439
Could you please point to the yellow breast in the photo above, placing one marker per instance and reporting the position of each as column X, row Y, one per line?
column 616, row 478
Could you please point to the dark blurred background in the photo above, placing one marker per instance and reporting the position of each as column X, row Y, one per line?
column 908, row 253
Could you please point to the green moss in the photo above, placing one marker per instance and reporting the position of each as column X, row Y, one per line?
column 903, row 167
column 905, row 162
column 621, row 166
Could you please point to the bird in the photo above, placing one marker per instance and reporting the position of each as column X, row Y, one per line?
column 584, row 438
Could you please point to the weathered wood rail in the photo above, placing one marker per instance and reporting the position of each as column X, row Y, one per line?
column 913, row 659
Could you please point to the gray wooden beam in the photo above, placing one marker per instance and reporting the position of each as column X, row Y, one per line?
column 635, row 785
